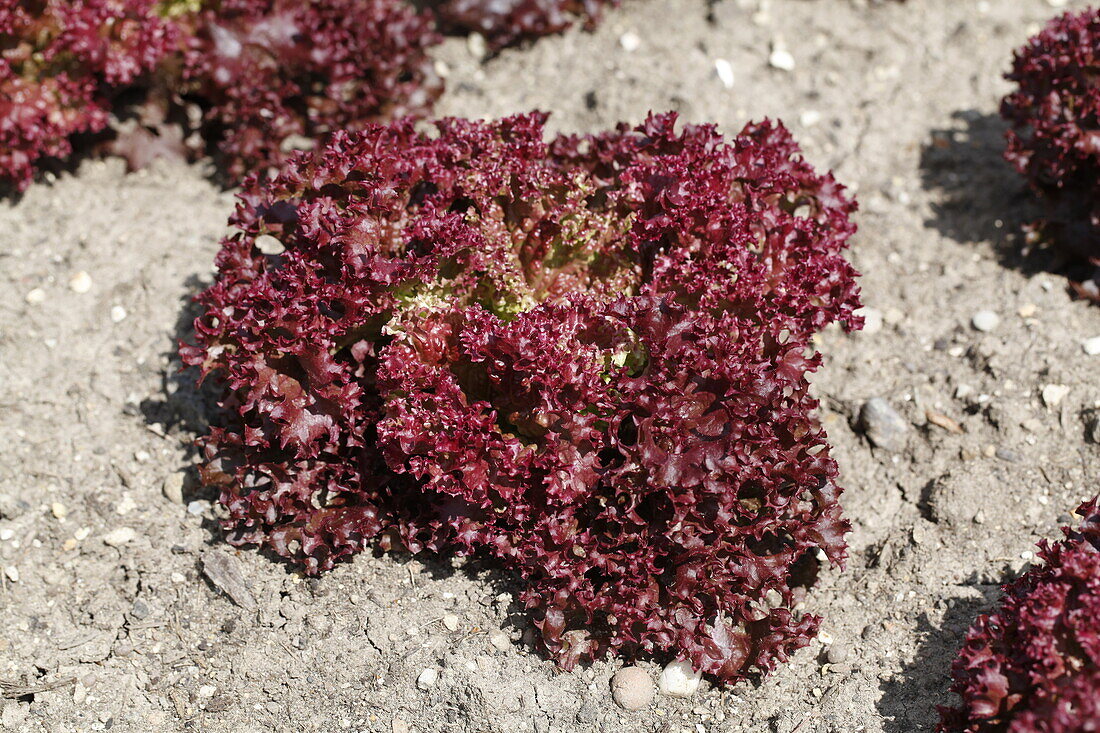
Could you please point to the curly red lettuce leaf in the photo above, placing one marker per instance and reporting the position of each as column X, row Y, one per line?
column 1033, row 664
column 1054, row 140
column 586, row 358
column 62, row 66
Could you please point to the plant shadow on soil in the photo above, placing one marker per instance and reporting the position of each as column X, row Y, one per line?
column 909, row 699
column 979, row 197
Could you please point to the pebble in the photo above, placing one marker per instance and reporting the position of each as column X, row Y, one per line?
column 223, row 570
column 427, row 679
column 207, row 691
column 985, row 321
column 35, row 297
column 1053, row 394
column 1027, row 310
column 118, row 314
column 80, row 282
column 119, row 537
column 678, row 679
column 780, row 57
column 724, row 70
column 59, row 510
column 630, row 41
column 883, row 425
column 269, row 245
column 632, row 688
column 476, row 45
column 12, row 572
column 1092, row 346
column 450, row 622
column 500, row 641
column 172, row 488
column 837, row 653
column 809, row 118
column 198, row 507
column 6, row 534
column 872, row 319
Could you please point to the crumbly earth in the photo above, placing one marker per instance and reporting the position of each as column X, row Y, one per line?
column 103, row 593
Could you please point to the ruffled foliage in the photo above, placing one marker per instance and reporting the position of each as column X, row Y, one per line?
column 269, row 73
column 61, row 65
column 585, row 358
column 1055, row 137
column 266, row 75
column 505, row 22
column 1033, row 665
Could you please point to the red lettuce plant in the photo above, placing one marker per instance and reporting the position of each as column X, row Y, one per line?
column 1033, row 665
column 269, row 71
column 586, row 358
column 61, row 64
column 1055, row 137
column 504, row 22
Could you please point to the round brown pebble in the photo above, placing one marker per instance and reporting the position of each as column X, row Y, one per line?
column 632, row 688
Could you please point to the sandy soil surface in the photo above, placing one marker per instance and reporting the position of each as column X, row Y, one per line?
column 104, row 538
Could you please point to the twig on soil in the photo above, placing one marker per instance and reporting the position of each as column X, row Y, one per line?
column 12, row 690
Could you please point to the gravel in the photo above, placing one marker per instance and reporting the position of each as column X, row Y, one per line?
column 678, row 679
column 632, row 688
column 985, row 321
column 882, row 425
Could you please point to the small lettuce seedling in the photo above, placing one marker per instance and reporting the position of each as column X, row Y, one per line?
column 1033, row 664
column 584, row 358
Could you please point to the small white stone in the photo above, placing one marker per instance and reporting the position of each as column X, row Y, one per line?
column 127, row 505
column 678, row 679
column 142, row 456
column 780, row 57
column 198, row 507
column 118, row 314
column 172, row 488
column 59, row 510
column 36, row 296
column 630, row 41
column 475, row 43
column 80, row 282
column 269, row 245
column 985, row 321
column 178, row 578
column 724, row 70
column 1091, row 346
column 119, row 537
column 500, row 641
column 1053, row 394
column 872, row 319
column 450, row 622
column 809, row 117
column 12, row 572
column 632, row 688
column 427, row 679
column 207, row 691
column 6, row 534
